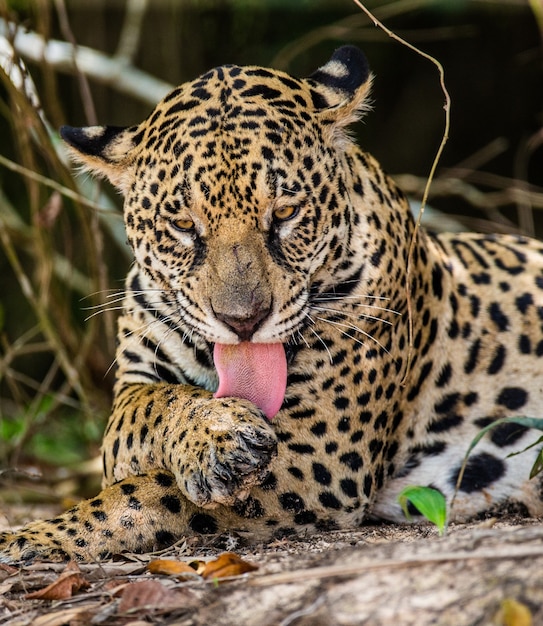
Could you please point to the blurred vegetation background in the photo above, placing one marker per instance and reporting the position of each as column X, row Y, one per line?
column 62, row 249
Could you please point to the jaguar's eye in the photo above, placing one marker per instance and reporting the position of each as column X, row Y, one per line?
column 284, row 213
column 183, row 225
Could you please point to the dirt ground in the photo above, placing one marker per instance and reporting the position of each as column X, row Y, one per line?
column 380, row 575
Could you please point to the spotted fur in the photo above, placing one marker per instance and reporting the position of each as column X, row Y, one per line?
column 253, row 216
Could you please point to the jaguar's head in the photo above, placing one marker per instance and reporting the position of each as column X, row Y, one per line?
column 236, row 193
column 237, row 198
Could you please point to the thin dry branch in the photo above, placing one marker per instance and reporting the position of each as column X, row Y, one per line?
column 351, row 28
column 66, row 58
column 42, row 314
column 433, row 168
column 342, row 570
column 509, row 192
column 130, row 36
column 84, row 87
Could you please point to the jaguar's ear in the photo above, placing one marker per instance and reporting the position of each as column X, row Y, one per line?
column 341, row 86
column 103, row 150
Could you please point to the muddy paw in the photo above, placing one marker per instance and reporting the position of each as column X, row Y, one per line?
column 224, row 453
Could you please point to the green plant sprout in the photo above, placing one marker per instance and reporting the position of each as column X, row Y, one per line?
column 429, row 502
column 432, row 504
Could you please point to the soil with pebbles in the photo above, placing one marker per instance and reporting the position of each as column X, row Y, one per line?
column 376, row 575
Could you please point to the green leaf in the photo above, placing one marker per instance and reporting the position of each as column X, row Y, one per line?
column 529, row 422
column 429, row 502
column 537, row 467
column 538, row 464
column 12, row 429
column 532, row 445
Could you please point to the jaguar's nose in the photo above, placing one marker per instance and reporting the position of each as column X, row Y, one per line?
column 245, row 326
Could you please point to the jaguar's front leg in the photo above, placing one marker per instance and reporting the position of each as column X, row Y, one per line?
column 217, row 449
column 140, row 513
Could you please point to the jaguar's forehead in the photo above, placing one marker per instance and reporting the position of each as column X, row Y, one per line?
column 236, row 106
column 231, row 91
column 207, row 130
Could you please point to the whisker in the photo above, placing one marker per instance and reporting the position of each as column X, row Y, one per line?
column 287, row 190
column 163, row 340
column 373, row 306
column 113, row 293
column 356, row 329
column 116, row 296
column 378, row 308
column 101, row 292
column 334, row 296
column 343, row 313
column 359, row 304
column 104, row 310
column 157, row 307
column 300, row 334
column 112, row 365
column 358, row 341
column 320, row 338
column 98, row 306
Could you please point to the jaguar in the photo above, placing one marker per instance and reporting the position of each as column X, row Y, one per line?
column 294, row 350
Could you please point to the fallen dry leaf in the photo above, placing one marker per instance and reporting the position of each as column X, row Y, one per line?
column 5, row 587
column 7, row 579
column 115, row 586
column 153, row 595
column 65, row 586
column 514, row 613
column 76, row 615
column 8, row 569
column 227, row 564
column 170, row 568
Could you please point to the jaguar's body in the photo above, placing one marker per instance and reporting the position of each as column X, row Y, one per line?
column 267, row 243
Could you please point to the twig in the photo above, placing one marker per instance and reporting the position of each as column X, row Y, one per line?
column 334, row 571
column 86, row 95
column 309, row 610
column 522, row 160
column 62, row 267
column 17, row 73
column 444, row 139
column 453, row 186
column 42, row 315
column 343, row 29
column 482, row 156
column 102, row 68
column 48, row 182
column 129, row 38
column 537, row 9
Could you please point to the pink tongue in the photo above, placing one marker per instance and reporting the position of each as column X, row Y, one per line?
column 253, row 371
